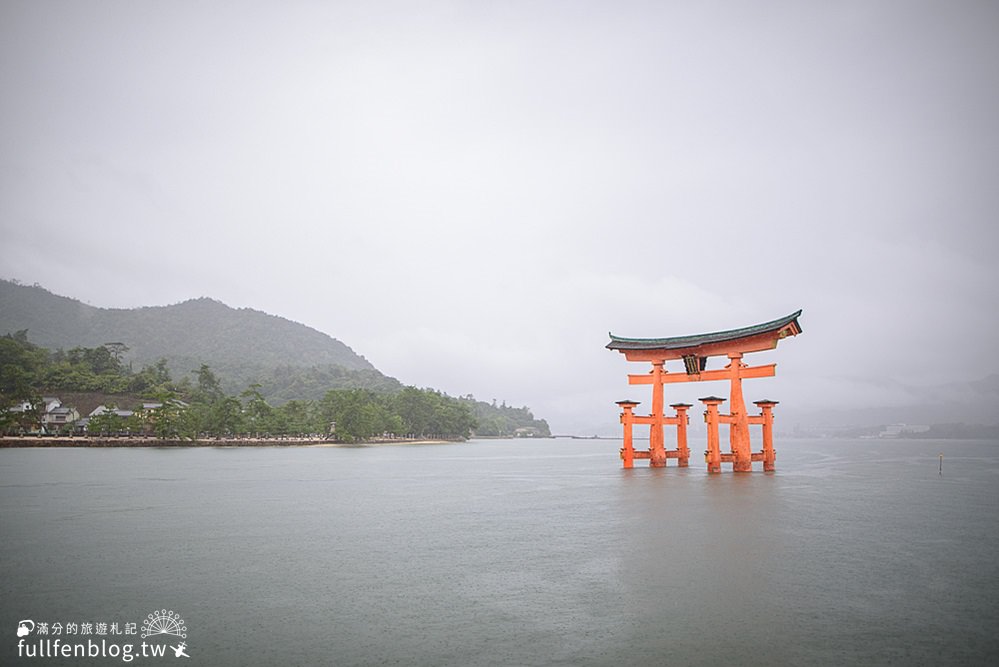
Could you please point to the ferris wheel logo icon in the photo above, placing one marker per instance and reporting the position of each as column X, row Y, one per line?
column 164, row 622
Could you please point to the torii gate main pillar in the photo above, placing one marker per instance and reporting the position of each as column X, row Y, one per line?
column 738, row 420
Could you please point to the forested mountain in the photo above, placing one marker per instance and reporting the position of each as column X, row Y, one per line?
column 249, row 359
column 243, row 346
column 91, row 378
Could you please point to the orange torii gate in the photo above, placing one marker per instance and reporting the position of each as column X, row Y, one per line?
column 695, row 351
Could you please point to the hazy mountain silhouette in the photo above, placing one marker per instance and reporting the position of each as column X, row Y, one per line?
column 241, row 345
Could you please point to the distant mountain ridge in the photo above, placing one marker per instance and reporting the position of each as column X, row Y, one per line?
column 240, row 344
column 974, row 402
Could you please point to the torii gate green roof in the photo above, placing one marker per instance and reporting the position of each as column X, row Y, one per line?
column 681, row 342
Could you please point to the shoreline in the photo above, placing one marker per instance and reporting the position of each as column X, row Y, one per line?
column 12, row 442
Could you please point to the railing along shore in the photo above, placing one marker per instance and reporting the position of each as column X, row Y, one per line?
column 149, row 441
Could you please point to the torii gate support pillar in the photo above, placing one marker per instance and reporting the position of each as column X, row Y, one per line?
column 681, row 420
column 711, row 417
column 628, row 420
column 767, row 420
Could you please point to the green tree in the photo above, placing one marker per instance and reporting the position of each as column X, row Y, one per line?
column 414, row 410
column 21, row 363
column 208, row 389
column 358, row 414
column 296, row 418
column 225, row 417
column 108, row 422
column 151, row 379
column 428, row 413
column 116, row 350
column 258, row 415
column 167, row 420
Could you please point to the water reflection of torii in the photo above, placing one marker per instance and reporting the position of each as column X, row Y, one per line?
column 695, row 351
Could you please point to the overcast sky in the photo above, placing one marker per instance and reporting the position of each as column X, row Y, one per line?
column 472, row 194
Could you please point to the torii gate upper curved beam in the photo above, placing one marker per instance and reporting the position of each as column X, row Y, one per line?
column 755, row 338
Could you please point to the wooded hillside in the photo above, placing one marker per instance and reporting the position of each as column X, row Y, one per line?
column 243, row 346
column 52, row 344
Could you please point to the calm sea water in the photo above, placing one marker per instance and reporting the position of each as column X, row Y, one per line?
column 511, row 553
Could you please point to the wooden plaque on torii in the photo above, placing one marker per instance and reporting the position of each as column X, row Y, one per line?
column 695, row 352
